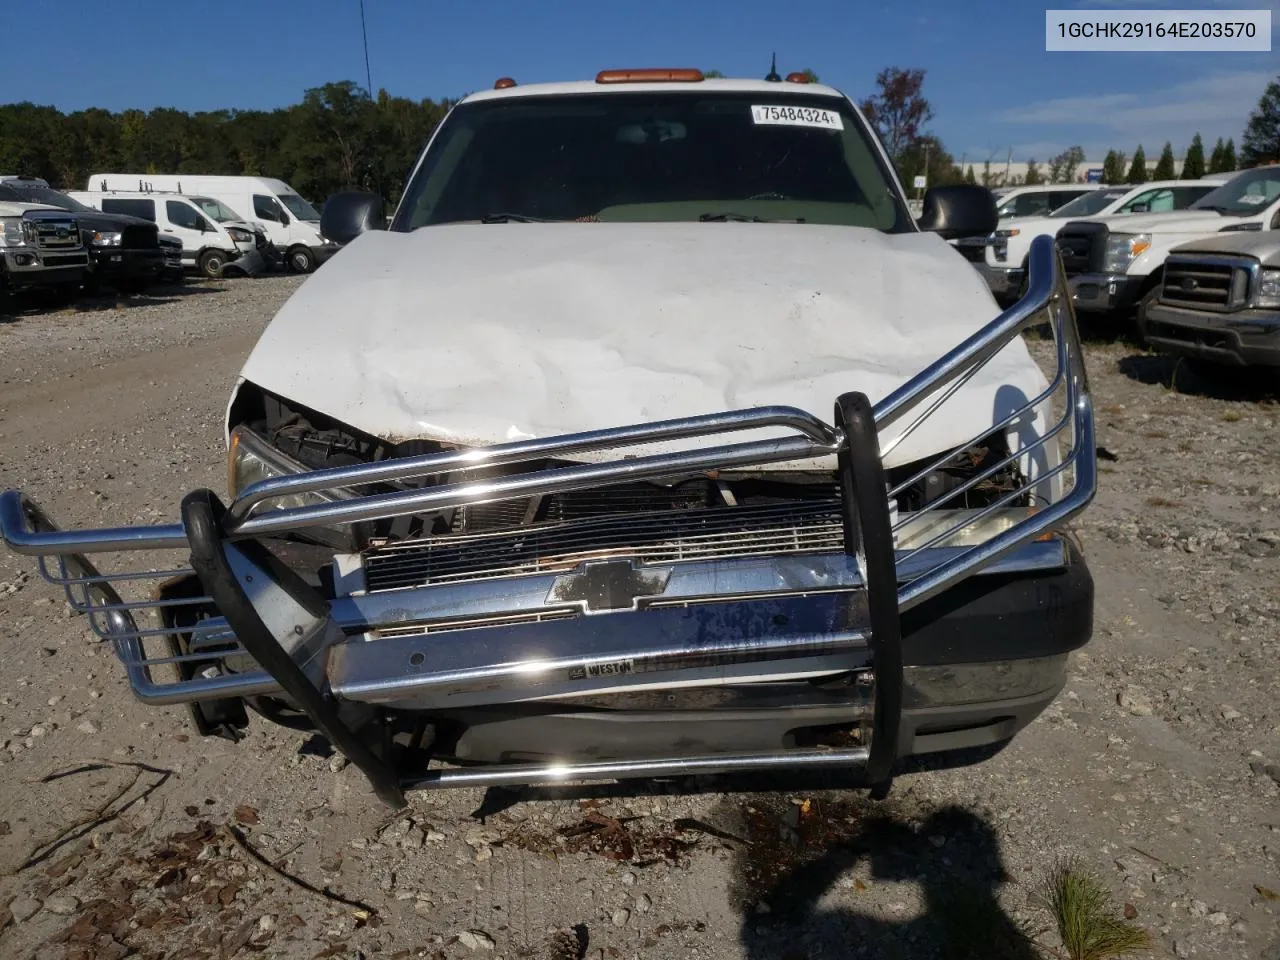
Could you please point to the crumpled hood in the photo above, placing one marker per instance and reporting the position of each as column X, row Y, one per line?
column 476, row 334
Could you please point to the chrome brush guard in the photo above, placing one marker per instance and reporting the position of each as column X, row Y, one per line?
column 616, row 626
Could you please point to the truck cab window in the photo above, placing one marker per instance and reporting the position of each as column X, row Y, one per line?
column 146, row 209
column 181, row 215
column 264, row 208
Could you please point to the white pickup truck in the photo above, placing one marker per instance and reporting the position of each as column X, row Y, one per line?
column 1220, row 301
column 1114, row 264
column 1002, row 258
column 40, row 246
column 527, row 487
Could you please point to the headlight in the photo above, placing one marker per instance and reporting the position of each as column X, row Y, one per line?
column 1268, row 290
column 1123, row 249
column 251, row 459
column 240, row 236
column 1007, row 233
column 1235, row 227
column 15, row 233
column 107, row 238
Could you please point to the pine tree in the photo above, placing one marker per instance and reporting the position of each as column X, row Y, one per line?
column 1193, row 162
column 1229, row 163
column 1165, row 165
column 1112, row 168
column 1215, row 158
column 1261, row 143
column 1138, row 170
column 1034, row 177
column 968, row 175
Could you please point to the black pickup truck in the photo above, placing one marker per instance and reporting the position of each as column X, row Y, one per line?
column 124, row 251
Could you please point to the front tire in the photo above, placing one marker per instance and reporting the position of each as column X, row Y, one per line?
column 212, row 263
column 301, row 260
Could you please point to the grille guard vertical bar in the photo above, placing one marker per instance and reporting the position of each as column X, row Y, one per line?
column 868, row 538
column 202, row 515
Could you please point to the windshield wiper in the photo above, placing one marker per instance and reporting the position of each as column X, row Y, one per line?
column 511, row 218
column 740, row 218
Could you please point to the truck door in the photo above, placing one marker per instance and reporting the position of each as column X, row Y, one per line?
column 267, row 209
column 190, row 226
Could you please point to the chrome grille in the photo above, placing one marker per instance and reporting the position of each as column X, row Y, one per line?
column 1216, row 284
column 668, row 537
column 56, row 234
column 472, row 623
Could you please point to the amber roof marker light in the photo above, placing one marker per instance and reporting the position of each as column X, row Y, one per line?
column 651, row 75
column 797, row 77
column 503, row 83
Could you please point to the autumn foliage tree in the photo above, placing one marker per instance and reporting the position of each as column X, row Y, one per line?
column 898, row 109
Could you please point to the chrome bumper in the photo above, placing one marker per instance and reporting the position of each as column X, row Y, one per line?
column 604, row 629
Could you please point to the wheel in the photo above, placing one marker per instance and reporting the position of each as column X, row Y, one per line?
column 211, row 263
column 301, row 260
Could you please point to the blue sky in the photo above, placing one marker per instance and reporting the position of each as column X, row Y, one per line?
column 992, row 85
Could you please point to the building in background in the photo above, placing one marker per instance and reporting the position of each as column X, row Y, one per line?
column 1004, row 173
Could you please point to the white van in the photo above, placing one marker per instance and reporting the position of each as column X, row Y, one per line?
column 214, row 237
column 291, row 224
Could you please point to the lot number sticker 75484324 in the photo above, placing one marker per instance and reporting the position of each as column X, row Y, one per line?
column 797, row 116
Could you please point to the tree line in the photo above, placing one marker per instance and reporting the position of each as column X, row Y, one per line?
column 337, row 138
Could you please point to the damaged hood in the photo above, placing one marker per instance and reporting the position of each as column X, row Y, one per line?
column 475, row 334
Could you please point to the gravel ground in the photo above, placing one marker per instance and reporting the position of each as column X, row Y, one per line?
column 1158, row 767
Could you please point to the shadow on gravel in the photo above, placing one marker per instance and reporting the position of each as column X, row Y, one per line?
column 1197, row 378
column 819, row 869
column 38, row 303
column 799, row 880
column 159, row 294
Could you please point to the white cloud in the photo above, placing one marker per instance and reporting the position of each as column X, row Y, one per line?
column 1217, row 104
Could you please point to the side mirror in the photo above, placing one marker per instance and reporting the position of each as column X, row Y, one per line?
column 347, row 215
column 284, row 217
column 959, row 210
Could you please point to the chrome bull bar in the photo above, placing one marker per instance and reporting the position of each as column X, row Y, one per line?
column 273, row 636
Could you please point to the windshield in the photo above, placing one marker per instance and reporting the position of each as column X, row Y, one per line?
column 1250, row 192
column 215, row 209
column 298, row 207
column 654, row 157
column 42, row 195
column 1087, row 204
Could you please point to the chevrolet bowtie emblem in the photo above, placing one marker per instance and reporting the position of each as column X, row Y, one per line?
column 608, row 585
